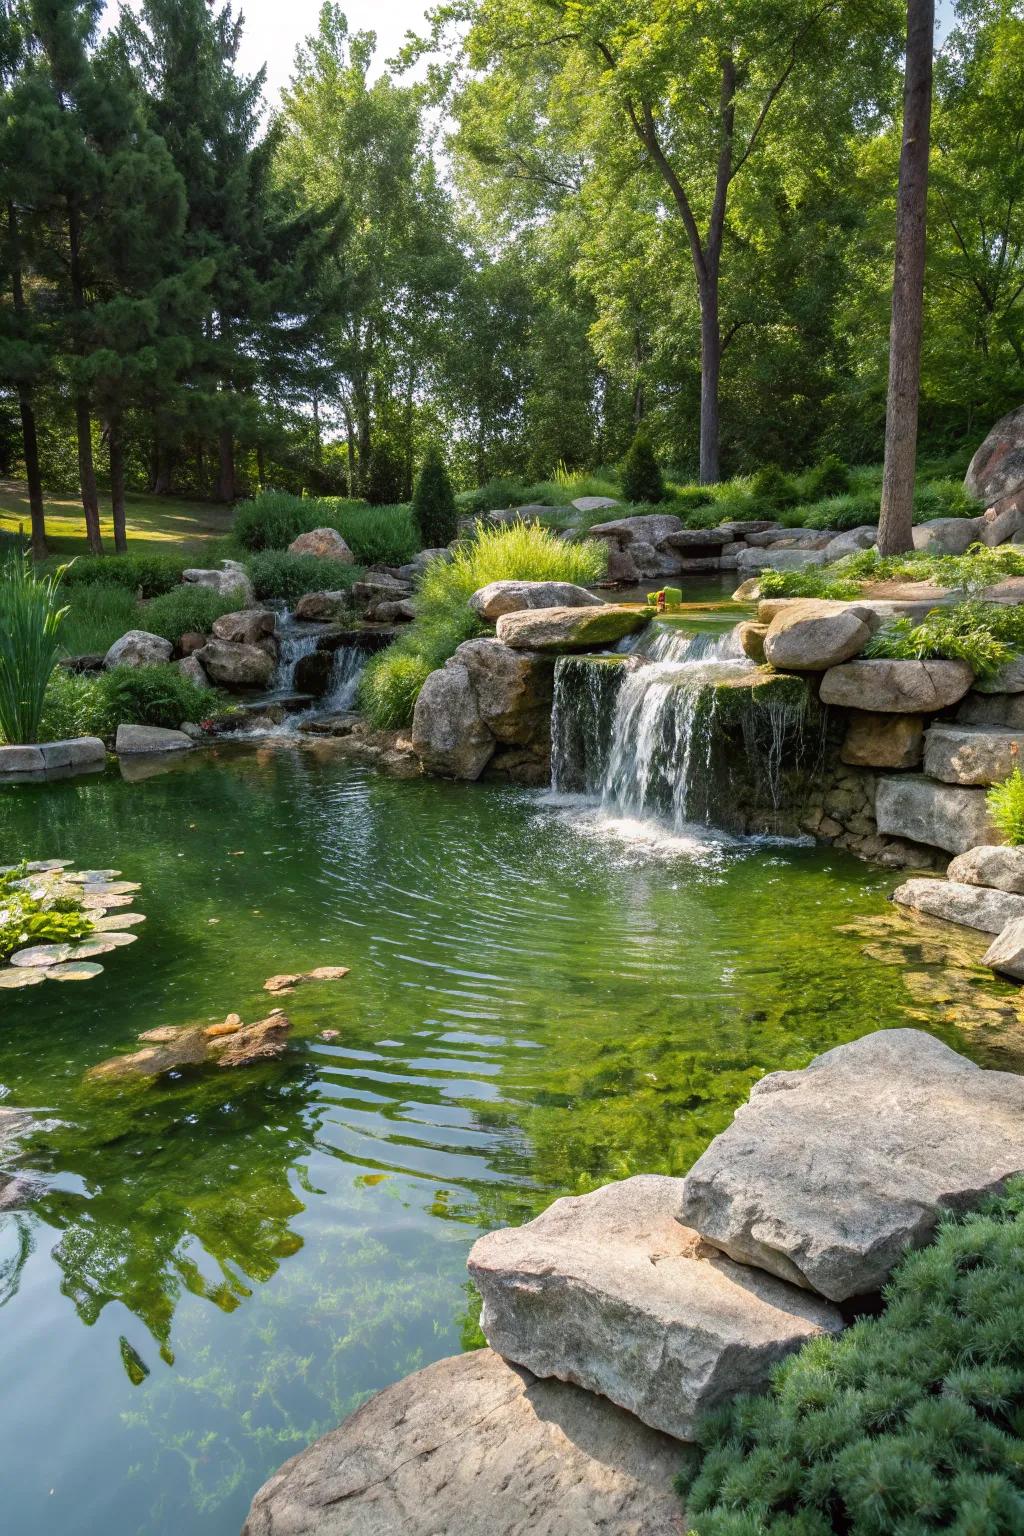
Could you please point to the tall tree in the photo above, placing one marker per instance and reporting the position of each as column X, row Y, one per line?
column 895, row 528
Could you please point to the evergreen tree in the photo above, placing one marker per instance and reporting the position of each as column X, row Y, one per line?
column 433, row 502
column 642, row 479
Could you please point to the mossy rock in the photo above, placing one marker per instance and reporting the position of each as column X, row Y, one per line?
column 761, row 688
column 571, row 629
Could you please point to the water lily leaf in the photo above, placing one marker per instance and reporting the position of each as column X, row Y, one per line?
column 42, row 954
column 118, row 921
column 13, row 981
column 76, row 970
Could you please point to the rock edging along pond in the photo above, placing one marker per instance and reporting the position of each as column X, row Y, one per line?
column 666, row 1297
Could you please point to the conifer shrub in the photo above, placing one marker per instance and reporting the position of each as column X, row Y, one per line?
column 829, row 478
column 642, row 479
column 387, row 483
column 908, row 1423
column 1006, row 808
column 433, row 502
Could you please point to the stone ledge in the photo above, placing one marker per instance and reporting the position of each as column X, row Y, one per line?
column 78, row 753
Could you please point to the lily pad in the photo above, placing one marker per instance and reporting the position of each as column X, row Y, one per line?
column 118, row 922
column 75, row 970
column 92, row 900
column 42, row 954
column 87, row 876
column 102, row 944
column 111, row 887
column 12, row 981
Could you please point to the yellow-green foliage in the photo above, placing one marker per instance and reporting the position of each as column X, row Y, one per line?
column 1006, row 807
column 29, row 916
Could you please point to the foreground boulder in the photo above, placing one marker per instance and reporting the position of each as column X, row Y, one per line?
column 608, row 1291
column 990, row 864
column 234, row 665
column 448, row 735
column 500, row 597
column 150, row 738
column 947, row 535
column 138, row 648
column 514, row 689
column 896, row 687
column 826, row 1175
column 948, row 816
column 249, row 626
column 972, row 754
column 813, row 635
column 570, row 629
column 972, row 906
column 231, row 580
column 325, row 544
column 997, row 469
column 473, row 1446
column 1006, row 952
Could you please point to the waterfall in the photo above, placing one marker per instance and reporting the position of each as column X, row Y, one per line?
column 664, row 731
column 346, row 670
column 293, row 641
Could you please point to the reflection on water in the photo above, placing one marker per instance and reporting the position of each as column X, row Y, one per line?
column 533, row 1007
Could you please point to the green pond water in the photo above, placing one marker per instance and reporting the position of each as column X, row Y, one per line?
column 222, row 1265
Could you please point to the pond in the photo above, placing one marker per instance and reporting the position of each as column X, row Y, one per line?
column 224, row 1264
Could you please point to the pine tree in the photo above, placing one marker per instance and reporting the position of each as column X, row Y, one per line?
column 433, row 502
column 641, row 474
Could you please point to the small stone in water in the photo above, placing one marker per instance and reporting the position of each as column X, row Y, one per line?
column 78, row 970
column 329, row 1034
column 231, row 1025
column 12, row 981
column 42, row 954
column 43, row 866
column 327, row 973
column 280, row 983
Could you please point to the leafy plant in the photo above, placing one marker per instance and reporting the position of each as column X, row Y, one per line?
column 30, row 627
column 642, row 480
column 158, row 695
column 76, row 704
column 773, row 490
column 907, row 1423
column 148, row 575
column 275, row 573
column 30, row 916
column 985, row 635
column 433, row 502
column 1006, row 808
column 186, row 609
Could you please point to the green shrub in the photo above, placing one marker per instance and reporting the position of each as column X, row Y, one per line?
column 829, row 478
column 772, row 490
column 691, row 497
column 390, row 685
column 275, row 573
column 1006, row 808
column 384, row 535
column 187, row 608
column 148, row 574
column 943, row 498
column 272, row 520
column 908, row 1423
column 642, row 480
column 386, row 484
column 433, row 503
column 158, row 695
column 497, row 494
column 838, row 512
column 76, row 704
column 97, row 616
column 31, row 619
column 27, row 919
column 984, row 635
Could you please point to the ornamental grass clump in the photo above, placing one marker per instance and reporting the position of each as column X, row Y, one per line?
column 1006, row 808
column 908, row 1423
column 30, row 626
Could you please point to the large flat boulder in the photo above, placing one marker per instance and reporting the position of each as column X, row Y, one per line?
column 882, row 741
column 947, row 535
column 648, row 528
column 971, row 906
column 448, row 735
column 473, row 1446
column 948, row 816
column 234, row 665
column 138, row 648
column 997, row 469
column 150, row 738
column 500, row 597
column 971, row 754
column 514, row 689
column 610, row 1292
column 992, row 864
column 896, row 687
column 826, row 1175
column 570, row 629
column 813, row 635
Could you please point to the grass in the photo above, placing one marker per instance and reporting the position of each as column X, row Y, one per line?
column 375, row 535
column 97, row 616
column 1006, row 808
column 155, row 523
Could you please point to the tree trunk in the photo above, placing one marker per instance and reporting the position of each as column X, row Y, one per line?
column 37, row 509
column 116, row 446
column 895, row 531
column 710, row 376
column 226, row 471
column 87, row 474
column 261, row 467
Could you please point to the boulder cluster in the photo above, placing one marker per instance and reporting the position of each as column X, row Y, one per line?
column 653, row 1301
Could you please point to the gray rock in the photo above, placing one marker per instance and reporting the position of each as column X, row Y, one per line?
column 939, row 815
column 1002, row 525
column 448, row 735
column 1005, row 709
column 971, row 906
column 192, row 668
column 883, row 741
column 791, row 538
column 1009, row 678
column 500, row 597
column 690, row 540
column 400, row 610
column 997, row 469
column 971, row 754
column 232, row 665
column 325, row 544
column 991, row 864
column 1009, row 591
column 321, row 607
column 947, row 535
column 1006, row 952
column 150, row 738
column 608, row 1291
column 378, row 586
column 570, row 629
column 851, row 542
column 138, row 648
column 232, row 580
column 647, row 528
column 750, row 561
column 514, row 689
column 473, row 1446
column 812, row 635
column 826, row 1175
column 595, row 503
column 27, row 759
column 247, row 627
column 896, row 687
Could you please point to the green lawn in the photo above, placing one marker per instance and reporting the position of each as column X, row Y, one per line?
column 156, row 524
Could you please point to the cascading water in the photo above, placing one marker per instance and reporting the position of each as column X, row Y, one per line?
column 294, row 641
column 346, row 671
